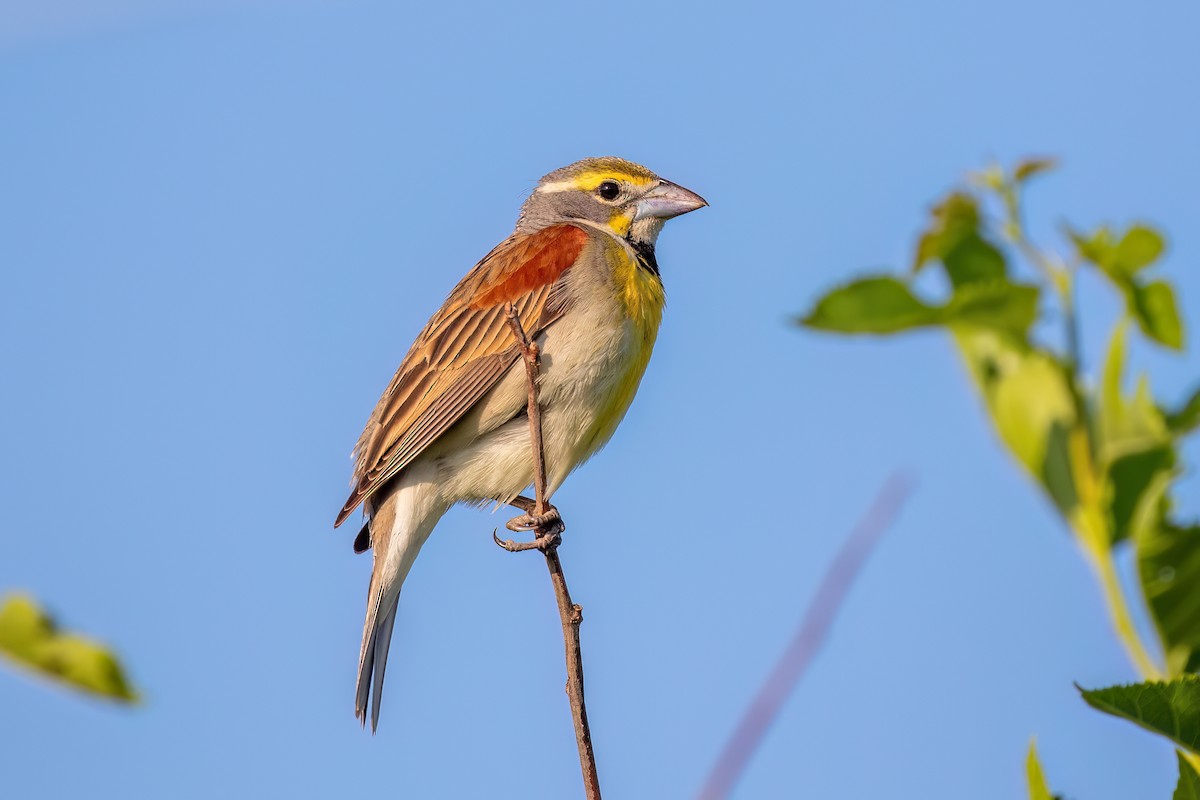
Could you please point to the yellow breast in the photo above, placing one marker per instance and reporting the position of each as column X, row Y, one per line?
column 642, row 296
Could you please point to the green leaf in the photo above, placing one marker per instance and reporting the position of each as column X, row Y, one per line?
column 23, row 627
column 1038, row 790
column 1009, row 307
column 1129, row 479
column 884, row 305
column 1120, row 259
column 1030, row 402
column 973, row 259
column 1168, row 557
column 1097, row 248
column 953, row 238
column 1125, row 424
column 1133, row 443
column 1140, row 247
column 1030, row 167
column 878, row 305
column 30, row 638
column 1186, row 418
column 952, row 219
column 1188, row 787
column 1153, row 306
column 1171, row 709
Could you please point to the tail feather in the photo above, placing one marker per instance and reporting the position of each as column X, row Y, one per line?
column 366, row 658
column 372, row 659
column 382, row 644
column 399, row 525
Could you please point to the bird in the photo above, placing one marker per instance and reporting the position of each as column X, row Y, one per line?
column 452, row 427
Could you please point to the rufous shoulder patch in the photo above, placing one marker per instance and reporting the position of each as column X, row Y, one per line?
column 537, row 260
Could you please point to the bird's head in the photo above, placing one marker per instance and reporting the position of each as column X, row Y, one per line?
column 626, row 198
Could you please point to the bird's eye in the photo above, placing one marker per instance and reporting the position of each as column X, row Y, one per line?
column 608, row 190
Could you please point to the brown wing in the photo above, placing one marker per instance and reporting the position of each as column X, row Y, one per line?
column 462, row 352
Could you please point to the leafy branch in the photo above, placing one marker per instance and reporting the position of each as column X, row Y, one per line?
column 1105, row 458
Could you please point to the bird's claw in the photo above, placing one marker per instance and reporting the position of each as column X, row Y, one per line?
column 542, row 523
column 547, row 528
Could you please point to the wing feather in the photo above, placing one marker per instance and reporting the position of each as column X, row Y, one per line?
column 464, row 351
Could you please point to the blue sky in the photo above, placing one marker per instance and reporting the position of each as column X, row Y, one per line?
column 222, row 224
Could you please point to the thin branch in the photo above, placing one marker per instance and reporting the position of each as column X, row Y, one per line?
column 807, row 640
column 544, row 520
column 532, row 356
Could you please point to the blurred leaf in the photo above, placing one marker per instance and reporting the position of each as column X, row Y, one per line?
column 883, row 305
column 1097, row 248
column 1171, row 709
column 972, row 260
column 1186, row 418
column 871, row 305
column 1030, row 402
column 1132, row 441
column 1010, row 307
column 1188, row 787
column 23, row 627
column 953, row 238
column 1153, row 306
column 1125, row 424
column 30, row 638
column 956, row 217
column 990, row 177
column 1030, row 167
column 1139, row 248
column 1120, row 259
column 1038, row 790
column 1168, row 557
column 1130, row 477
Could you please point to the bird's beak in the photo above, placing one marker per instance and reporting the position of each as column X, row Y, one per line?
column 668, row 200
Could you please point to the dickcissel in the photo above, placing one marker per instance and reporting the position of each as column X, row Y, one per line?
column 452, row 426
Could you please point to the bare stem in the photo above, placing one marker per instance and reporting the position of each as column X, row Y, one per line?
column 1094, row 535
column 807, row 640
column 1089, row 523
column 548, row 527
column 1122, row 618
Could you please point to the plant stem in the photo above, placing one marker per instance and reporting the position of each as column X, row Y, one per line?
column 1091, row 524
column 1092, row 529
column 570, row 614
column 1118, row 609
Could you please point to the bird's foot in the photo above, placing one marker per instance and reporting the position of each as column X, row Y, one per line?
column 537, row 522
column 547, row 528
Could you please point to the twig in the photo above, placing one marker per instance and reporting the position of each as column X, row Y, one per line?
column 808, row 639
column 544, row 520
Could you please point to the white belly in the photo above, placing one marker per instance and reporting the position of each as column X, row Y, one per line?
column 585, row 388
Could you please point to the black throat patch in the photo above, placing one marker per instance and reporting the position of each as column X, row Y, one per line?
column 645, row 257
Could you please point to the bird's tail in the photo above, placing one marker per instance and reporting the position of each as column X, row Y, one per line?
column 399, row 525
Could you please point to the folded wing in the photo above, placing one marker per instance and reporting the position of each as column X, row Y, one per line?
column 464, row 350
